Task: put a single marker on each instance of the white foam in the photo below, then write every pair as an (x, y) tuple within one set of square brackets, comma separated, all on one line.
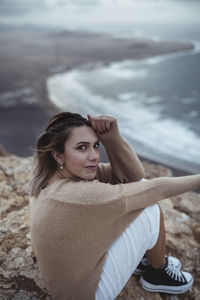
[(163, 57), (16, 97), (117, 70), (139, 123)]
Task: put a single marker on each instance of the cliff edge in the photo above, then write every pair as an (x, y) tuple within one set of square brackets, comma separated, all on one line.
[(19, 273)]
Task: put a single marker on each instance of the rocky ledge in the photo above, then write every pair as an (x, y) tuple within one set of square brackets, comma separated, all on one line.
[(19, 274)]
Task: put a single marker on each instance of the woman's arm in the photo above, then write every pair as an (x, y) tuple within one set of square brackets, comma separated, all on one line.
[(125, 165), (160, 188), (136, 195)]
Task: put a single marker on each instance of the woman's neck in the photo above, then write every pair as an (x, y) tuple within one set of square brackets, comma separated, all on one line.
[(56, 176)]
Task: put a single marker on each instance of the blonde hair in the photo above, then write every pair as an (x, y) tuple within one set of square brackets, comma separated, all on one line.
[(52, 139)]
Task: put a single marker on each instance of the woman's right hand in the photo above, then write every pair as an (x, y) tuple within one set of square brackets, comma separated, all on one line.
[(102, 124)]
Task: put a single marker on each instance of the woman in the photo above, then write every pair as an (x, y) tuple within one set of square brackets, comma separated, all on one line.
[(91, 223)]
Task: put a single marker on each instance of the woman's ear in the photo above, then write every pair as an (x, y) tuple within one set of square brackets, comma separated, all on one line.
[(58, 157)]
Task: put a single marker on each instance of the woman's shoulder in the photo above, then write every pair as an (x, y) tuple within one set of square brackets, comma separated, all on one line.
[(69, 191), (92, 193), (59, 188)]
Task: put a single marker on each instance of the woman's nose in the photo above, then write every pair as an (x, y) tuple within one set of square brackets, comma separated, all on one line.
[(94, 155)]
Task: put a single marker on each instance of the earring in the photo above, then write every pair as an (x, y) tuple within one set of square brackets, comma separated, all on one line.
[(61, 166)]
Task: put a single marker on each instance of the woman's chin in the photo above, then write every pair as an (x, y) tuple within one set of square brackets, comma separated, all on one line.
[(90, 176)]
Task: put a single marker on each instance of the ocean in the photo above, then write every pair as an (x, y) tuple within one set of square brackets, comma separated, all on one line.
[(157, 100)]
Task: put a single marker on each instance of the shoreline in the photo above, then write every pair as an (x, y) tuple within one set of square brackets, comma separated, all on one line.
[(44, 54)]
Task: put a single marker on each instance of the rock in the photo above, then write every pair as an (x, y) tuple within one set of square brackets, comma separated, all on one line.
[(3, 152), (19, 272), (152, 170), (196, 231), (5, 189), (190, 203), (2, 175)]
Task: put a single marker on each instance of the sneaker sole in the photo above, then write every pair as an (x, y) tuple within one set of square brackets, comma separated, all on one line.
[(164, 288)]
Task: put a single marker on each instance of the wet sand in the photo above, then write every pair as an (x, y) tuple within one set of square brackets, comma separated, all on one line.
[(29, 55)]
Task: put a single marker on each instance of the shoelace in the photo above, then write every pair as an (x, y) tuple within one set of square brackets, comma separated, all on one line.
[(174, 273)]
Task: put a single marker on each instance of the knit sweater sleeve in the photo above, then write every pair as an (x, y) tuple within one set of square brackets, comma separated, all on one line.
[(136, 195), (125, 165)]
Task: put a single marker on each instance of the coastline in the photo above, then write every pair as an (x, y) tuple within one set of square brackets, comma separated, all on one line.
[(29, 57)]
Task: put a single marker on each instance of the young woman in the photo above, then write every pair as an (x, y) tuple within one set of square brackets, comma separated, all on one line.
[(92, 223)]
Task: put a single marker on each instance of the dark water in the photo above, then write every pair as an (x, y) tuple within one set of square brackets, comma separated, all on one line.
[(156, 101), (177, 83)]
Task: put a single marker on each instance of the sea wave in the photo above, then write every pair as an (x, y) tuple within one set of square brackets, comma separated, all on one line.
[(165, 140)]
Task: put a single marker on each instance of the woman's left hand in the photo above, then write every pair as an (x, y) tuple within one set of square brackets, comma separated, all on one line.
[(101, 124)]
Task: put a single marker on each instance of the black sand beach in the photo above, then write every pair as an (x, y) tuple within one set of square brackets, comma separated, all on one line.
[(28, 55)]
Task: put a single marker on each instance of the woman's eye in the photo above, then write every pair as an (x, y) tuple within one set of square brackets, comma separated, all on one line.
[(82, 147), (97, 145)]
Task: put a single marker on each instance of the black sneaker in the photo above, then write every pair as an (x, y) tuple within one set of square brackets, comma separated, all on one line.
[(144, 265), (168, 280)]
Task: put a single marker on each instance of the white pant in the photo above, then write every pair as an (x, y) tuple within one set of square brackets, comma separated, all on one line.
[(127, 251)]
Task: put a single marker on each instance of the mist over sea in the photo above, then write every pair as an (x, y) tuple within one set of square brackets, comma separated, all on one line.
[(157, 100)]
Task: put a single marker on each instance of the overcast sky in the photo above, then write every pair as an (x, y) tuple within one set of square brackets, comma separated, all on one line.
[(66, 13)]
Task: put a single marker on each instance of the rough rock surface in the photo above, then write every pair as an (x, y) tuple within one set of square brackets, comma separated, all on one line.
[(19, 274)]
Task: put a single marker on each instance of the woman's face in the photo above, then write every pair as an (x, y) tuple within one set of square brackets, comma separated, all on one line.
[(81, 154)]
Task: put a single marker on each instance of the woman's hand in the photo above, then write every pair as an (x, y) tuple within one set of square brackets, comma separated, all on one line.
[(101, 124)]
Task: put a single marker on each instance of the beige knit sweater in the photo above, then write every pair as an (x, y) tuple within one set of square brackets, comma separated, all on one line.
[(73, 223)]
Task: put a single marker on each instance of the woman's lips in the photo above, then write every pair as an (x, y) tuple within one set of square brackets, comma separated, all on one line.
[(91, 168)]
